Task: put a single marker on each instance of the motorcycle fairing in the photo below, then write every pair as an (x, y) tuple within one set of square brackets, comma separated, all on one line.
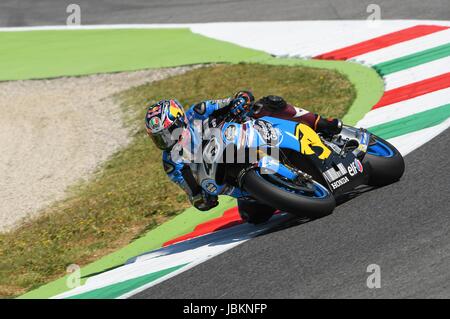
[(271, 132), (343, 174), (274, 132)]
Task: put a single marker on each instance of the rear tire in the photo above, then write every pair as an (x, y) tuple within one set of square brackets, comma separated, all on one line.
[(300, 205), (384, 170), (253, 212)]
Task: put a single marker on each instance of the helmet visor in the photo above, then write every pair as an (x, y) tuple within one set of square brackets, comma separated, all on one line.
[(164, 139), (167, 138)]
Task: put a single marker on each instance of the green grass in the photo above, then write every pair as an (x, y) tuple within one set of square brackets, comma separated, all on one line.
[(130, 194), (318, 90)]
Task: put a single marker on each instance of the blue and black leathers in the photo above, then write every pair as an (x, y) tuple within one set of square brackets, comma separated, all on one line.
[(178, 171)]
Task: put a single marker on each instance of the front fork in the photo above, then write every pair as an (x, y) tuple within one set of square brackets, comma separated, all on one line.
[(269, 165)]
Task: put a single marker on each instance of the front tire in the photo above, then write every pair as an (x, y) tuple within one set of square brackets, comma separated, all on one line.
[(386, 163), (286, 200)]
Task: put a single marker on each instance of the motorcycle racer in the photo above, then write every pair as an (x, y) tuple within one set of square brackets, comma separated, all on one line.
[(166, 116)]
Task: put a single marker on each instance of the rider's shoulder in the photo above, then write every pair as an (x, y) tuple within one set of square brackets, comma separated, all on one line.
[(200, 108), (207, 106)]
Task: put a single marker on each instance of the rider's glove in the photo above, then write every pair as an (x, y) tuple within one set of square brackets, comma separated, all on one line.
[(238, 106), (204, 201), (247, 95)]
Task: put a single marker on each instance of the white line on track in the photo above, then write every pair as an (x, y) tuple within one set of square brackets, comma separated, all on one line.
[(405, 48), (405, 108), (303, 38), (417, 73), (191, 252), (409, 142)]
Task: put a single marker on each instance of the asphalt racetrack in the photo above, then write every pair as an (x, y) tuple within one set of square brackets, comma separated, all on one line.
[(53, 12)]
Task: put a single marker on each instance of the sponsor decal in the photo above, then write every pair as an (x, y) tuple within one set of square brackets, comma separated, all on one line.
[(340, 182), (332, 174), (209, 186), (300, 112), (155, 123), (362, 147), (175, 110), (221, 101), (363, 138), (153, 110), (359, 165), (266, 130), (363, 142), (230, 133), (355, 167), (212, 122)]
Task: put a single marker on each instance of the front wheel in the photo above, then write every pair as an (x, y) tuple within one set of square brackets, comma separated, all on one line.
[(386, 162), (310, 199)]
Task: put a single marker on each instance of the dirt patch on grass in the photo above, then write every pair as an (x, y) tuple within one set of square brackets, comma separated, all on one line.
[(55, 132)]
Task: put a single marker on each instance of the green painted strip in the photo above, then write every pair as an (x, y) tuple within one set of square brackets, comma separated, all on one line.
[(368, 84), (412, 60), (47, 54), (121, 288), (412, 123)]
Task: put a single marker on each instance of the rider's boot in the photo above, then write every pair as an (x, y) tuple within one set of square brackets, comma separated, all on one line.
[(328, 127)]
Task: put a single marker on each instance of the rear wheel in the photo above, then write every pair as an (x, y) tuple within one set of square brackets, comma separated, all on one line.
[(306, 199), (386, 162), (253, 212)]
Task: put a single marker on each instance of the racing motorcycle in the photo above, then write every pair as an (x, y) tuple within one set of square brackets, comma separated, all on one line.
[(289, 167)]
